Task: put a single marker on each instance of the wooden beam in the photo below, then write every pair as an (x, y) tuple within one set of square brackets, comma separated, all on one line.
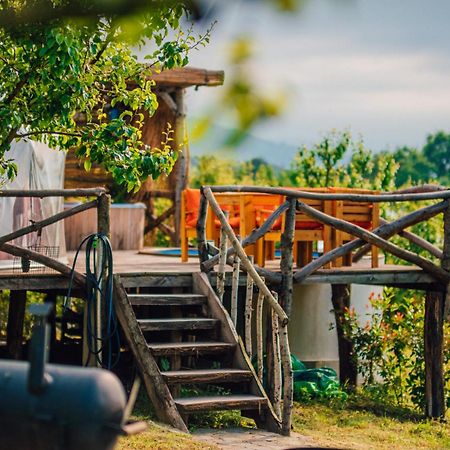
[(188, 76), (374, 239), (159, 220), (15, 250), (252, 237), (14, 328), (244, 259), (348, 371), (41, 193), (286, 264), (371, 198), (434, 372), (201, 230), (154, 383), (385, 231), (388, 230), (35, 226)]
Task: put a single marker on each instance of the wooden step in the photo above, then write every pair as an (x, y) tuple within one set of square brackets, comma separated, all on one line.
[(166, 299), (217, 403), (207, 376), (181, 324), (191, 348)]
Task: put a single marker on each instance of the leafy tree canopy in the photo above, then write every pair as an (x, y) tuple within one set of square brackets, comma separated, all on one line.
[(77, 82), (339, 160)]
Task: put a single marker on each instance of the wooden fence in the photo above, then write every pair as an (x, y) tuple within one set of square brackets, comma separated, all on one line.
[(101, 202), (363, 240)]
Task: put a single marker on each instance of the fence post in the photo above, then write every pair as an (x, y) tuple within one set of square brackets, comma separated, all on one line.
[(286, 264), (437, 306)]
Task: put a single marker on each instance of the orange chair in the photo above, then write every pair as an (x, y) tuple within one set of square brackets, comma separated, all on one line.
[(232, 204), (308, 230), (363, 214), (190, 204), (256, 209)]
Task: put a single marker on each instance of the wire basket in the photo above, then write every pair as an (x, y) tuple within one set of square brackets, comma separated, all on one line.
[(25, 265)]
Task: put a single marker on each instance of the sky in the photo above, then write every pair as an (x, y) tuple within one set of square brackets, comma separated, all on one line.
[(380, 68)]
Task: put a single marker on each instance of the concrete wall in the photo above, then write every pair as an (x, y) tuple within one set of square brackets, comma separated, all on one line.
[(310, 337)]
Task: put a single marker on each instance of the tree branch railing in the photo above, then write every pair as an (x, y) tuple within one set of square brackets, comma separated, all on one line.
[(101, 203), (257, 277), (277, 342)]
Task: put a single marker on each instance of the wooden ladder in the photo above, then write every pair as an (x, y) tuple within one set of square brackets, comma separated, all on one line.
[(184, 342)]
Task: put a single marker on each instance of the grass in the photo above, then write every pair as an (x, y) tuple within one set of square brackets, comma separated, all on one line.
[(357, 423), (361, 423), (157, 437)]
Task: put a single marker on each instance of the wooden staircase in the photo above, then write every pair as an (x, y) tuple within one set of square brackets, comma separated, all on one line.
[(184, 342)]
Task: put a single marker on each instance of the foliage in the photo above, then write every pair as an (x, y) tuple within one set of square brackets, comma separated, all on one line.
[(431, 162), (77, 83), (212, 170), (325, 165), (389, 347)]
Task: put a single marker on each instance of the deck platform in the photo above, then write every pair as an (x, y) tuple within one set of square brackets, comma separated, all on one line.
[(131, 264)]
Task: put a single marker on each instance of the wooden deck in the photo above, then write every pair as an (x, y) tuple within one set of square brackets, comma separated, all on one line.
[(130, 263)]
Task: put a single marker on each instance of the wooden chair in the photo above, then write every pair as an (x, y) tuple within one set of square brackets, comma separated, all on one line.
[(363, 214), (190, 203), (231, 203), (308, 230), (256, 209)]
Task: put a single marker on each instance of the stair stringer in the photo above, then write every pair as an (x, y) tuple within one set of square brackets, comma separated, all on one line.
[(155, 385), (201, 285)]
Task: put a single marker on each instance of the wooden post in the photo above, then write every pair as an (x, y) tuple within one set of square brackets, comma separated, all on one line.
[(201, 231), (183, 160), (288, 380), (222, 264), (433, 336), (96, 314), (276, 362), (248, 313), (348, 370), (14, 329), (286, 264), (235, 289), (259, 335)]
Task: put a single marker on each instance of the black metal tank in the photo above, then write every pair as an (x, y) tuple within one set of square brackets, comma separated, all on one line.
[(55, 407)]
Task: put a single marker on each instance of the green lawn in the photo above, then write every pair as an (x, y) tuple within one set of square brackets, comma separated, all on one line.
[(362, 424), (358, 423)]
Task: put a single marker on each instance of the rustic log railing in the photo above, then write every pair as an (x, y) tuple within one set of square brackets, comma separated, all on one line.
[(102, 203), (363, 240), (277, 353)]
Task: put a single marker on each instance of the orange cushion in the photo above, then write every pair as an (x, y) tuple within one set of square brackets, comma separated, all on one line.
[(308, 225), (260, 219), (365, 225), (234, 222)]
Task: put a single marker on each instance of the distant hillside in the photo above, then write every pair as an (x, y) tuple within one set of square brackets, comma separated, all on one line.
[(278, 154)]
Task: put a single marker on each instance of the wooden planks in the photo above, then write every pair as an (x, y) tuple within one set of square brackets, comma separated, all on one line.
[(230, 375), (215, 403), (191, 348), (166, 299), (178, 324)]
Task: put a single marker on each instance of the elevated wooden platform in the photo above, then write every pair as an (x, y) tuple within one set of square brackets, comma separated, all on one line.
[(131, 265)]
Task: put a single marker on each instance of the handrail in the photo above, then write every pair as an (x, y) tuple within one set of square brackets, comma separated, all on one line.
[(375, 198), (279, 333), (41, 193), (102, 203)]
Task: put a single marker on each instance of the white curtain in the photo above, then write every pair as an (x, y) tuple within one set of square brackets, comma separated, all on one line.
[(39, 167)]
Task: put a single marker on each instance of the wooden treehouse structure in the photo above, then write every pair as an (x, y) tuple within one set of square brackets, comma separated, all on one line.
[(170, 91), (201, 323)]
